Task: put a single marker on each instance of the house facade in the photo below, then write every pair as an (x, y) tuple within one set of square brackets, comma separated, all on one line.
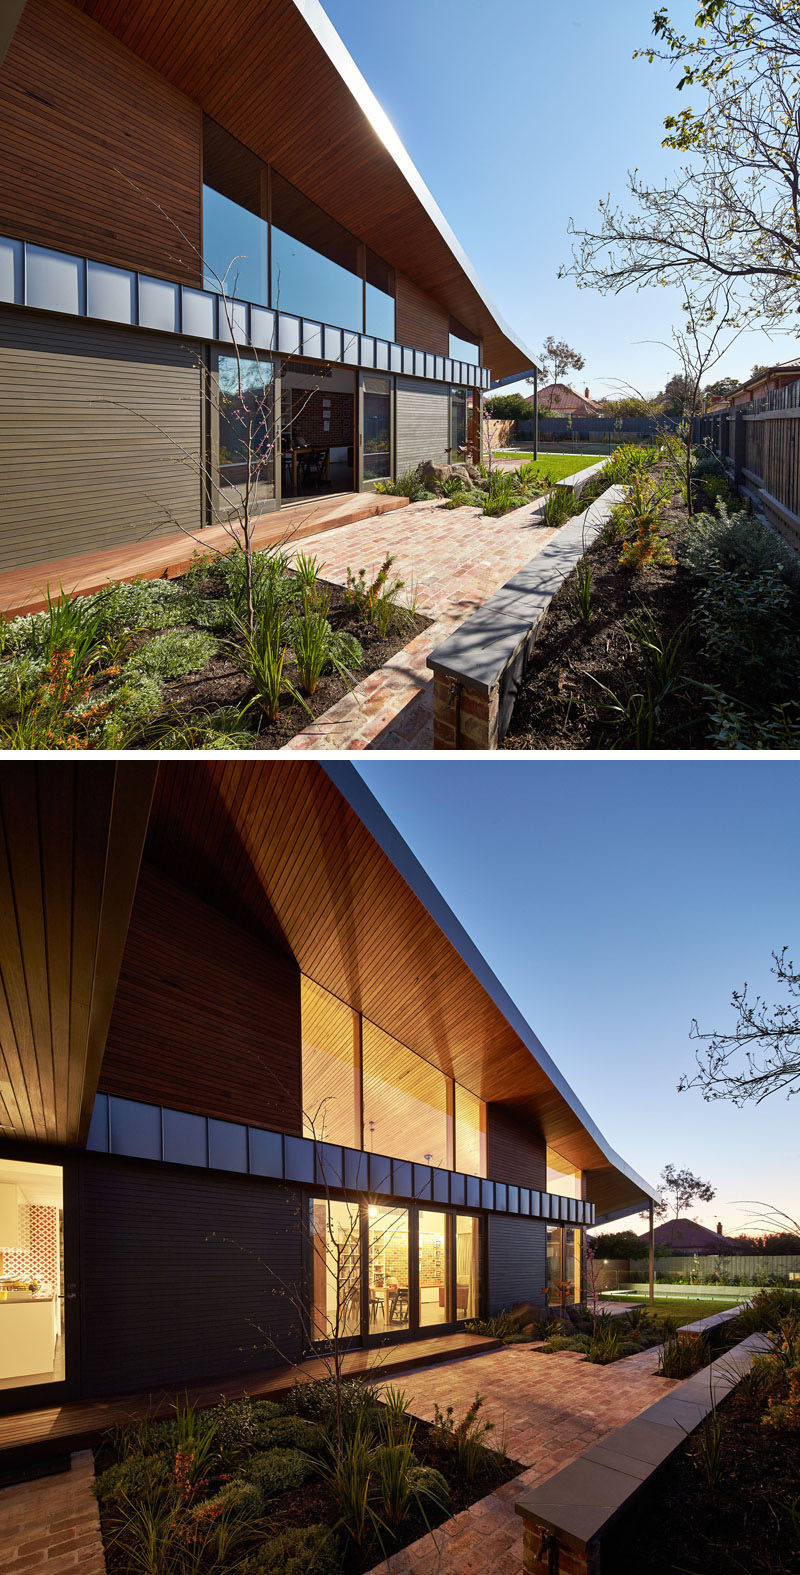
[(238, 1021), (193, 198)]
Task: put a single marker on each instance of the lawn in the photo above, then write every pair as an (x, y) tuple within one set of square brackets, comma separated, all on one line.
[(553, 467), (685, 1307)]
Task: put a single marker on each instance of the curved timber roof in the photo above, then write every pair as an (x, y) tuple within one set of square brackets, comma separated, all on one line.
[(276, 74)]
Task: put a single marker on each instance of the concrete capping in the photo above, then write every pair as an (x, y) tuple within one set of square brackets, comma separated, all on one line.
[(580, 478), (703, 1326), (479, 668), (572, 1511)]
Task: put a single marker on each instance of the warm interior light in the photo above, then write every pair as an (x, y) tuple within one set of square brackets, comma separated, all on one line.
[(372, 1210)]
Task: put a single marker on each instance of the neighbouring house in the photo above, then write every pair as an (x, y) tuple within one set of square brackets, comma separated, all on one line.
[(563, 401), (763, 382), (684, 1235), (150, 152), (234, 1008)]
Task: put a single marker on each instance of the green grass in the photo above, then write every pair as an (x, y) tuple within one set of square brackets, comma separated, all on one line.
[(685, 1307), (556, 466)]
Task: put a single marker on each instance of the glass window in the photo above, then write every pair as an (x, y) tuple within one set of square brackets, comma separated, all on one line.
[(331, 1073), (434, 1276), (463, 348), (335, 1238), (562, 1177), (387, 1269), (246, 419), (377, 417), (563, 1264), (234, 249), (315, 262), (555, 1272), (380, 295), (467, 1265), (572, 1261), (31, 1274), (458, 424), (470, 1133), (405, 1102)]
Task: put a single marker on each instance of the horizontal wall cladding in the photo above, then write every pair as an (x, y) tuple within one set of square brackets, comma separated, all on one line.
[(82, 462), (422, 424), (180, 1273), (206, 1015), (516, 1250), (419, 321), (93, 140), (515, 1152)]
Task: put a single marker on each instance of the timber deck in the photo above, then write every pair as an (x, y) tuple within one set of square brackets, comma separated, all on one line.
[(79, 1424), (166, 557)]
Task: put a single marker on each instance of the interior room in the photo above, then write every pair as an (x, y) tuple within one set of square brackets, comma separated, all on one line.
[(31, 1273), (317, 430)]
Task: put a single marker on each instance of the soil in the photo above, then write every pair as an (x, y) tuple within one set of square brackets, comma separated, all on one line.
[(562, 704), (744, 1525)]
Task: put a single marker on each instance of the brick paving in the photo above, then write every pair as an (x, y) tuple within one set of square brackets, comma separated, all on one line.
[(549, 1410), (52, 1524), (454, 560)]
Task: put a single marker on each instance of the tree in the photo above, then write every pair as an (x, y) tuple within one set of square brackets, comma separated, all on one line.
[(732, 214), (617, 1244), (630, 405), (673, 399), (761, 1053), (509, 407), (558, 358), (683, 1188), (722, 388)]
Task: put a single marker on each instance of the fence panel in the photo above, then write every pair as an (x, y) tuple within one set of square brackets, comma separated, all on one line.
[(762, 439), (738, 1268)]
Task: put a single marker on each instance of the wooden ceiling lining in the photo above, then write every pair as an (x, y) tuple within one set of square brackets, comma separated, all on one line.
[(70, 843), (255, 70)]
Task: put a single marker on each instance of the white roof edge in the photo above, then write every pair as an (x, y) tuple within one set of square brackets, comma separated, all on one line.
[(340, 57), (354, 789)]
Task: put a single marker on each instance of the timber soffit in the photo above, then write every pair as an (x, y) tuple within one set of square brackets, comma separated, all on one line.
[(377, 822), (342, 155)]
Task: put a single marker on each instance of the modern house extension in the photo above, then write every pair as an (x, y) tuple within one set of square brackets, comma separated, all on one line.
[(189, 183), (235, 1016)]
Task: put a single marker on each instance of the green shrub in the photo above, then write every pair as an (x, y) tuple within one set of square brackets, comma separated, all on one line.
[(141, 605), (138, 1478), (566, 1342), (358, 1404), (626, 462), (238, 1495), (408, 485), (303, 1550), (428, 1484), (279, 1470), (739, 540), (468, 1437), (174, 653), (558, 507), (290, 1432), (680, 1356), (240, 1422)]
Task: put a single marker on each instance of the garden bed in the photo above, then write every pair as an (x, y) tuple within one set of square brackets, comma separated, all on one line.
[(172, 664), (255, 1489), (693, 647)]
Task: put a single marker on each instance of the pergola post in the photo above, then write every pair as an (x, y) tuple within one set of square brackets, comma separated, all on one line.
[(535, 413), (651, 1265)]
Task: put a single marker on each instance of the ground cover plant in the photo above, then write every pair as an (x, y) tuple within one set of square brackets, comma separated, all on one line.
[(686, 1308), (318, 1485), (727, 1502), (688, 635), (181, 663), (494, 489)]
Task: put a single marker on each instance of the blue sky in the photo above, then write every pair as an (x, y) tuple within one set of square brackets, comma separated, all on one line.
[(519, 116), (616, 901)]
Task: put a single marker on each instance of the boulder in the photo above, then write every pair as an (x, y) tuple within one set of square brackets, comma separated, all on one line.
[(432, 475)]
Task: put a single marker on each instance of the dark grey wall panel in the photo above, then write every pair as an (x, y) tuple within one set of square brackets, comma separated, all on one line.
[(516, 1152), (422, 423), (79, 467), (516, 1261), (174, 1283)]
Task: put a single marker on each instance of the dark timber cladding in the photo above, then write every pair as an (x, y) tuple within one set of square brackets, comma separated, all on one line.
[(83, 461), (419, 321), (93, 140), (516, 1152), (207, 1015), (517, 1266), (178, 1275), (422, 423)]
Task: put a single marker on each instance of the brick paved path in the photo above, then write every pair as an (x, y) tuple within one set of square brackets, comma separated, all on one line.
[(52, 1524), (455, 559), (549, 1409)]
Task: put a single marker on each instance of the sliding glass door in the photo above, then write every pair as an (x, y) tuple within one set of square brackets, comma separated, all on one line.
[(376, 428), (38, 1343)]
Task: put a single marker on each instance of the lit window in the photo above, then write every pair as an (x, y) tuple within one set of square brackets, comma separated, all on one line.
[(470, 1133), (405, 1102), (331, 1093)]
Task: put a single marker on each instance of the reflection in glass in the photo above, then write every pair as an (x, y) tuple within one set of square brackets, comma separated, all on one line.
[(387, 1283), (463, 350), (572, 1261), (555, 1246), (377, 417), (31, 1274), (380, 289), (246, 417), (331, 1076), (315, 262), (470, 1133), (563, 1264), (467, 1265), (235, 249), (405, 1102), (458, 423), (562, 1177), (335, 1269), (434, 1278)]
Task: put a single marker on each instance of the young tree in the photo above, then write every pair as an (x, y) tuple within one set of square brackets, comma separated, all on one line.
[(508, 407), (732, 214), (760, 1055), (721, 388), (558, 358), (683, 1188)]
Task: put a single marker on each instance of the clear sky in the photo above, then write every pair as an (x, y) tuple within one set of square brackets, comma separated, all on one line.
[(616, 901), (519, 116)]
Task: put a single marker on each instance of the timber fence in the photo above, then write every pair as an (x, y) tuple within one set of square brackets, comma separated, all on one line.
[(760, 444)]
